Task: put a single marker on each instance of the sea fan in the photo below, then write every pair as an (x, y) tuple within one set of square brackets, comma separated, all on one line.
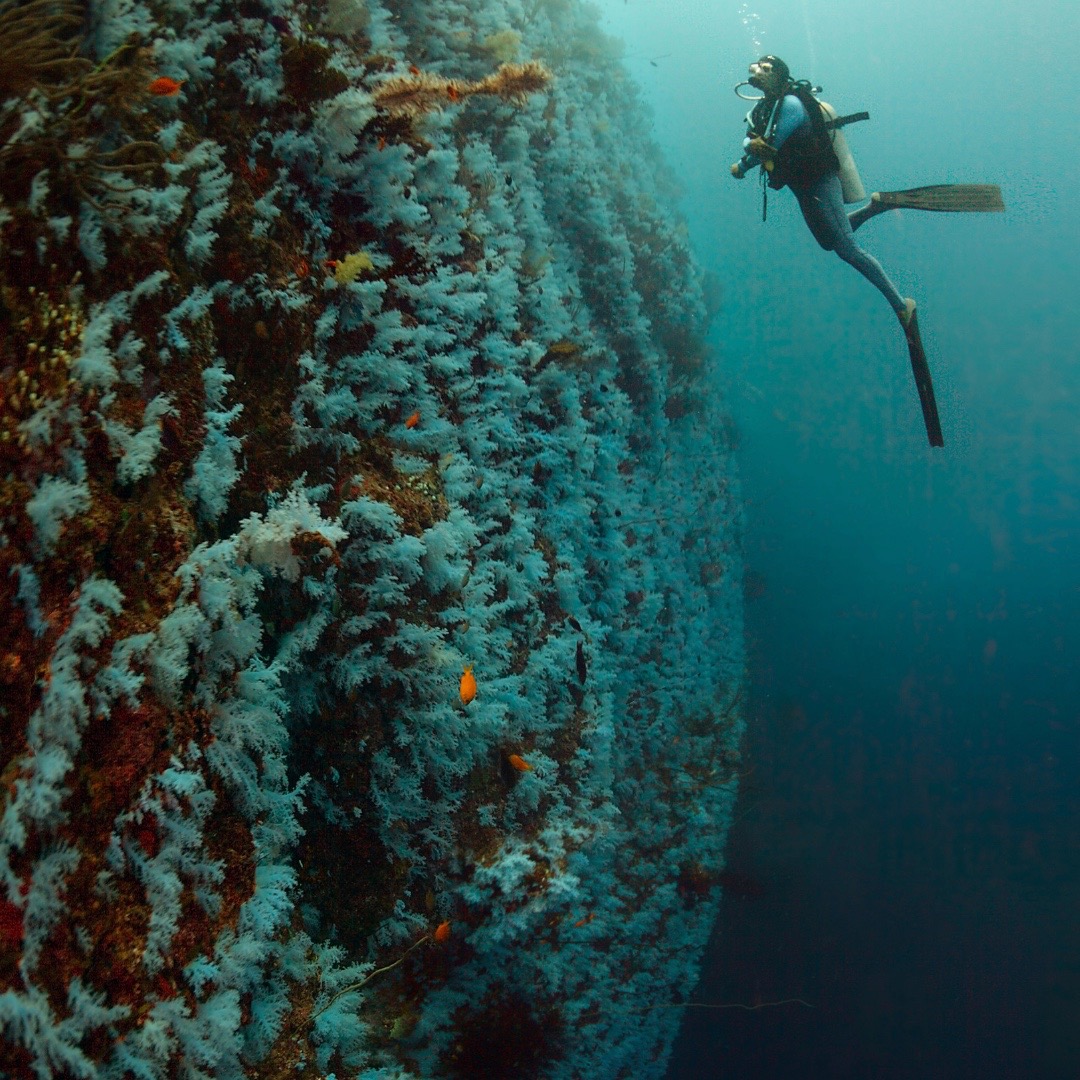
[(514, 82), (413, 95)]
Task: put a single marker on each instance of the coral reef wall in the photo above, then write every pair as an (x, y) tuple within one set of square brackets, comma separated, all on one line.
[(372, 647)]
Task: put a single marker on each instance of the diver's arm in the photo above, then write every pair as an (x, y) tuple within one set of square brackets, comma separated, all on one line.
[(749, 160), (793, 115), (743, 166)]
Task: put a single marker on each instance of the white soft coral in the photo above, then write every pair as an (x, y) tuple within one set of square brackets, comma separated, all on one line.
[(268, 541)]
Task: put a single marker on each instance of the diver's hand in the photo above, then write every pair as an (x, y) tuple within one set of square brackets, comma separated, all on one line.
[(737, 171), (761, 149)]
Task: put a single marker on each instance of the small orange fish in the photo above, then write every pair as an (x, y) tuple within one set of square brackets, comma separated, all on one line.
[(467, 689), (165, 87), (519, 763), (413, 420), (452, 92), (382, 142), (413, 69), (442, 933)]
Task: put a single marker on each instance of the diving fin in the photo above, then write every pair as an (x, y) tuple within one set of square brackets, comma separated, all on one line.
[(943, 198), (923, 383)]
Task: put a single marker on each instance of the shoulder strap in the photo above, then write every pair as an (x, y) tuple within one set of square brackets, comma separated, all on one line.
[(764, 116), (843, 121), (803, 92)]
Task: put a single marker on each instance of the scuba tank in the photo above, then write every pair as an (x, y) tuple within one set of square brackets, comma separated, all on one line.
[(849, 174)]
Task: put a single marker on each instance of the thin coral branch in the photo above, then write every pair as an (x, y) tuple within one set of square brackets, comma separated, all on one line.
[(370, 975), (709, 1005), (39, 43)]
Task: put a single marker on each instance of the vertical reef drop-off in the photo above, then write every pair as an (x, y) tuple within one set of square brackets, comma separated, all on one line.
[(346, 347)]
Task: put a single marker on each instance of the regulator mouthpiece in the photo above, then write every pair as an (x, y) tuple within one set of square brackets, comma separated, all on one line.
[(747, 97)]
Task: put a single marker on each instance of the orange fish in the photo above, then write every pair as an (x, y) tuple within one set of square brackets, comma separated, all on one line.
[(519, 763), (165, 87), (442, 932), (413, 420), (452, 92), (413, 69), (467, 689)]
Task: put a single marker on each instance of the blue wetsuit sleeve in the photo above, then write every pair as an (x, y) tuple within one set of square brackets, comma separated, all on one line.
[(793, 115)]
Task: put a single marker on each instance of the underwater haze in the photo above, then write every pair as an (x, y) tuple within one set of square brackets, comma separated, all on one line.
[(906, 856)]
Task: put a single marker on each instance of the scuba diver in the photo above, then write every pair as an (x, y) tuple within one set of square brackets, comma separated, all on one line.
[(797, 141), (788, 137)]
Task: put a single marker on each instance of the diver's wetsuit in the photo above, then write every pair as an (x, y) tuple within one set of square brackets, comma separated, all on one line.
[(822, 205)]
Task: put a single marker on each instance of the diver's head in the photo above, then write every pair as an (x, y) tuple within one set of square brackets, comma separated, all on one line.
[(770, 75)]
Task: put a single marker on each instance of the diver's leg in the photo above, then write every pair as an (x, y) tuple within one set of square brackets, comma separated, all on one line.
[(829, 206), (865, 213), (817, 221)]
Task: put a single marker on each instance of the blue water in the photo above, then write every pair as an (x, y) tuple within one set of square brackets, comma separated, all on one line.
[(907, 856)]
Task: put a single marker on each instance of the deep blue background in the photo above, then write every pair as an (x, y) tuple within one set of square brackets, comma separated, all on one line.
[(907, 854)]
